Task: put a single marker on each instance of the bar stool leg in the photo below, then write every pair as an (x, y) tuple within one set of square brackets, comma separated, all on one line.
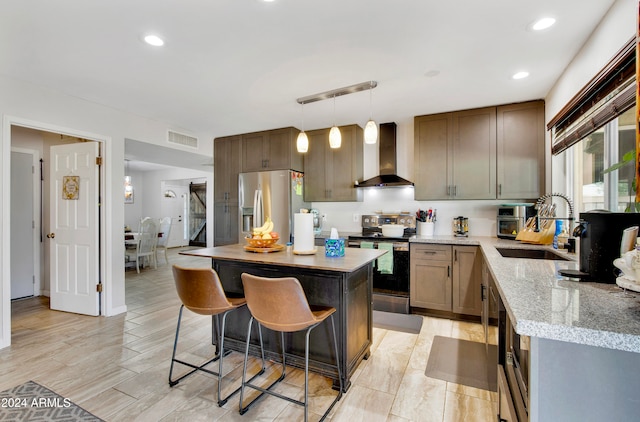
[(173, 382)]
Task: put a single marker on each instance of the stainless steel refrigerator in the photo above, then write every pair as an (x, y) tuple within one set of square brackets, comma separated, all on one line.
[(276, 194)]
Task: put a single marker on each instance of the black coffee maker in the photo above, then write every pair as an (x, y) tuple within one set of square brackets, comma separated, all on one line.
[(600, 234)]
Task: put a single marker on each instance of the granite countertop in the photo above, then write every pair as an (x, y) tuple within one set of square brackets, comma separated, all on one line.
[(353, 258), (547, 305)]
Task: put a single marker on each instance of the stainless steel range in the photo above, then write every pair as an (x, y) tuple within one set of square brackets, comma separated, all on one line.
[(391, 275)]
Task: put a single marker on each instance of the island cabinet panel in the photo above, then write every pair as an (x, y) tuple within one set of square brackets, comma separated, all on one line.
[(330, 173), (446, 278), (271, 150), (349, 292), (520, 150)]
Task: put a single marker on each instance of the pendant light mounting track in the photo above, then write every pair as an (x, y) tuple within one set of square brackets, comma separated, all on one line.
[(337, 92)]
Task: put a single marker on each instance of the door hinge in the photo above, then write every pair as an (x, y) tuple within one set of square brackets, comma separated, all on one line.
[(98, 161), (99, 287)]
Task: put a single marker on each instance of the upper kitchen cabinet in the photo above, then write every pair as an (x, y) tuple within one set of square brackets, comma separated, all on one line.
[(271, 150), (455, 155), (520, 159), (485, 153), (226, 167), (330, 173)]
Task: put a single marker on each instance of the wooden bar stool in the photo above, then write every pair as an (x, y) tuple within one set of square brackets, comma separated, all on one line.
[(201, 292), (280, 304)]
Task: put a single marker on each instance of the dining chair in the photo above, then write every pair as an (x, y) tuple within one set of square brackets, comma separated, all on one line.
[(145, 245), (280, 304), (163, 236), (201, 291)]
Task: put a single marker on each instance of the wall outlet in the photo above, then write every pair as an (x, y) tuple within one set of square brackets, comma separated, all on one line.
[(356, 218), (324, 218)]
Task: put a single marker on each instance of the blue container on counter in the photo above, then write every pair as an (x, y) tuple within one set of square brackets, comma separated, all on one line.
[(334, 247)]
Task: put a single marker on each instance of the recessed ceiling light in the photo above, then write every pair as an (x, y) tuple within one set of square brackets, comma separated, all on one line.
[(154, 40), (520, 75), (543, 23)]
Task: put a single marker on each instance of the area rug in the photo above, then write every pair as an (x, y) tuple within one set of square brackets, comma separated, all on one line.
[(397, 322), (463, 362), (32, 402)]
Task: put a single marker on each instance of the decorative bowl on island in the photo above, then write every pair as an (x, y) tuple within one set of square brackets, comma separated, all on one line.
[(261, 243)]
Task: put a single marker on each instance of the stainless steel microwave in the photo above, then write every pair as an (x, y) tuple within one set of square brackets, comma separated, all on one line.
[(512, 218)]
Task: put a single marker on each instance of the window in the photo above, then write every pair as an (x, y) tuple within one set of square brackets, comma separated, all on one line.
[(589, 186)]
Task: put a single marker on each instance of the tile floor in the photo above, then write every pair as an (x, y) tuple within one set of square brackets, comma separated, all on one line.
[(117, 367)]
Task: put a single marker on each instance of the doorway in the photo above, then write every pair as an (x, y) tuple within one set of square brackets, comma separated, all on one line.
[(25, 224), (30, 218)]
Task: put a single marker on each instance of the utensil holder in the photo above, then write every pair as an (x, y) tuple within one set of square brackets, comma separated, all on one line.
[(425, 228)]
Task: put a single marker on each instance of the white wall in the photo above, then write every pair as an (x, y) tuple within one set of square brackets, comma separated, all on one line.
[(32, 106), (148, 193)]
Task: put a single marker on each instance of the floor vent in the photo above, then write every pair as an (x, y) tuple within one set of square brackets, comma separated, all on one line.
[(182, 139)]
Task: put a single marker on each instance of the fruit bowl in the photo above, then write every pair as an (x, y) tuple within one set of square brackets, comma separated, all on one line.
[(261, 243)]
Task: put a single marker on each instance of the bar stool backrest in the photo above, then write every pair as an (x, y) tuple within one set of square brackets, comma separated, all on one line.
[(200, 290), (278, 303)]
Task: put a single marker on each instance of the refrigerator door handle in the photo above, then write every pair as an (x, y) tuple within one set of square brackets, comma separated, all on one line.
[(257, 208)]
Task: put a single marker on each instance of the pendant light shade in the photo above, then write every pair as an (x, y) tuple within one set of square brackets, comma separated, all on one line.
[(302, 143), (371, 129), (370, 132), (335, 137)]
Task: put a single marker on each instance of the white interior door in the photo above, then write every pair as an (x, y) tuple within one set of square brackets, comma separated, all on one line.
[(23, 262), (73, 225), (176, 209)]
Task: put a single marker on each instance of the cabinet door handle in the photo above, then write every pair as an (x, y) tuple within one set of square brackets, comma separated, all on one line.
[(483, 295), (455, 255), (499, 188), (448, 271), (455, 190), (429, 252), (448, 190)]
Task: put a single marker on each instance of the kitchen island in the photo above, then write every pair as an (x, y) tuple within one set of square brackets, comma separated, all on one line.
[(584, 351), (344, 283)]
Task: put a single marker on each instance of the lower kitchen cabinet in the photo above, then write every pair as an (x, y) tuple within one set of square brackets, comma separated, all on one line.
[(446, 278), (225, 223), (467, 280)]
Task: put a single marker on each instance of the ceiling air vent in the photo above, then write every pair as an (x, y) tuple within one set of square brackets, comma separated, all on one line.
[(182, 139)]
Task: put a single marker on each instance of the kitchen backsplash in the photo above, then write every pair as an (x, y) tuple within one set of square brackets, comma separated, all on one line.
[(481, 214)]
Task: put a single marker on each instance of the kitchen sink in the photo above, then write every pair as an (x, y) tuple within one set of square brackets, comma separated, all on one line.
[(531, 254)]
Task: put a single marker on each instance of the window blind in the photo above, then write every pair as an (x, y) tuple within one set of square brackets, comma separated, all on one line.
[(610, 93)]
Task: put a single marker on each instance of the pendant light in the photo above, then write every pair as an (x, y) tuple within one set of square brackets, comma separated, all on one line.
[(370, 129), (335, 137), (128, 187), (302, 143)]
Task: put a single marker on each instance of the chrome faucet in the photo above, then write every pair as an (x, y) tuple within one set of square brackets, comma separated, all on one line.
[(541, 201)]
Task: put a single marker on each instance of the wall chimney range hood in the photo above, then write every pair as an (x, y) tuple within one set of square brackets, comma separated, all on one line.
[(387, 158)]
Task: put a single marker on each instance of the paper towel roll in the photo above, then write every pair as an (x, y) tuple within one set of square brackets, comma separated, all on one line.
[(303, 239)]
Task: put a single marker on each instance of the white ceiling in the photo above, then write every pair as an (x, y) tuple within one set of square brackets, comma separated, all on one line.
[(236, 66)]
